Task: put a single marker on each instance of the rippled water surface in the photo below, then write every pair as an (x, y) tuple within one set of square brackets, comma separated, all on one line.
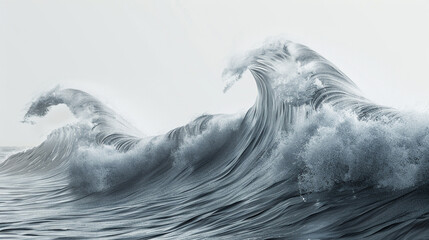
[(45, 206)]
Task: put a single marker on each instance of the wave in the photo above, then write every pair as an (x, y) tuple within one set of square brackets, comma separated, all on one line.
[(310, 126), (109, 127)]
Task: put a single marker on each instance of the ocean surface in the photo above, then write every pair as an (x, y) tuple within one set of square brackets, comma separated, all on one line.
[(312, 159)]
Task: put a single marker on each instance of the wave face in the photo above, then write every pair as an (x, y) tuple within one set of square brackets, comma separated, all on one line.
[(312, 159)]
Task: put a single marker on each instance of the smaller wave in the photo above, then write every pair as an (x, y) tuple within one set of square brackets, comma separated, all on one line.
[(98, 125), (109, 127), (5, 152), (51, 154)]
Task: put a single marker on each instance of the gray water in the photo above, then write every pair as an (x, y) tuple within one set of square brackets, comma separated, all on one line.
[(312, 159), (45, 207)]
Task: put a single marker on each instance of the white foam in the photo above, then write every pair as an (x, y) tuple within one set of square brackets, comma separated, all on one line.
[(334, 148)]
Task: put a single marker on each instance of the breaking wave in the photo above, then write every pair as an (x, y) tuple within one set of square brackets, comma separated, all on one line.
[(310, 131)]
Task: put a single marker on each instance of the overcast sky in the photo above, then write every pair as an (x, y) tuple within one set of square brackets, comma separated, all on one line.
[(159, 63)]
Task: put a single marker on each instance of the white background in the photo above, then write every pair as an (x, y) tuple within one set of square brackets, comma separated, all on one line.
[(159, 63)]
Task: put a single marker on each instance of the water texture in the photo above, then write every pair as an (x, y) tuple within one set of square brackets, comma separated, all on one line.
[(311, 159)]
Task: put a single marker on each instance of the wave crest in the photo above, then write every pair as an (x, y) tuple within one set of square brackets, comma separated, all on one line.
[(109, 127), (299, 76)]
